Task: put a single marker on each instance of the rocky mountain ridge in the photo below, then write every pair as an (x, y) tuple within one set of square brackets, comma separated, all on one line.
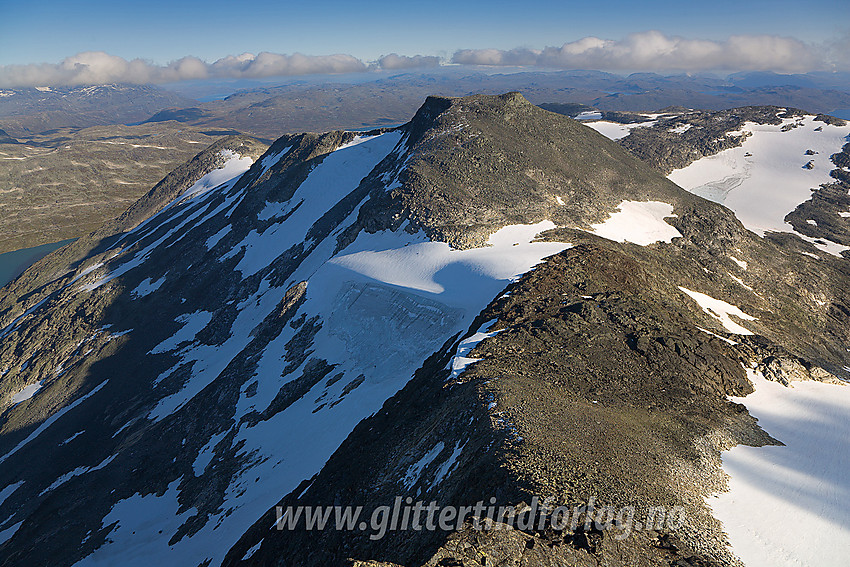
[(285, 323)]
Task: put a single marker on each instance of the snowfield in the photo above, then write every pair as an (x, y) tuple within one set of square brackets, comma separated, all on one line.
[(26, 393), (721, 311), (460, 361), (764, 179), (787, 506), (615, 130), (639, 222), (385, 302)]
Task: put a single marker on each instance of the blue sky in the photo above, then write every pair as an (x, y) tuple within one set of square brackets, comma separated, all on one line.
[(160, 32), (47, 31)]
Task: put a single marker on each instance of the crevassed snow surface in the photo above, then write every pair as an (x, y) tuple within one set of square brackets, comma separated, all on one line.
[(787, 506), (638, 222), (385, 303), (721, 311), (764, 186)]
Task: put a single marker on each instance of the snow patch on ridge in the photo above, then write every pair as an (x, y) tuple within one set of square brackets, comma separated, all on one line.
[(446, 468), (47, 423), (639, 222), (233, 167), (9, 490), (742, 264), (615, 130), (147, 286), (193, 323), (26, 393), (77, 472), (827, 246), (460, 361), (721, 311), (415, 470), (206, 453)]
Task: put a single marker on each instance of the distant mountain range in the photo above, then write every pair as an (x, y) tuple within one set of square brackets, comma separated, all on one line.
[(24, 112), (267, 111), (45, 131), (319, 106)]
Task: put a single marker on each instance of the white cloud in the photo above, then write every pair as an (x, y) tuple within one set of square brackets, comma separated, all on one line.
[(97, 67), (653, 50), (838, 52), (649, 51), (394, 61), (274, 64)]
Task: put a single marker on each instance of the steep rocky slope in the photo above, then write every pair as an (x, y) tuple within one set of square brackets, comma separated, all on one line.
[(254, 317)]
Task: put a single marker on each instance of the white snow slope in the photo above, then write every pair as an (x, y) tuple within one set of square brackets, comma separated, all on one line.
[(387, 301), (764, 179), (615, 130), (639, 222), (787, 506)]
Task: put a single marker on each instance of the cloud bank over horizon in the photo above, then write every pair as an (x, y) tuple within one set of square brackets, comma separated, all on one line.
[(646, 51), (653, 50)]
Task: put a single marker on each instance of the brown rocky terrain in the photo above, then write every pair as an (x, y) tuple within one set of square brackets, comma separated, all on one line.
[(68, 182)]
